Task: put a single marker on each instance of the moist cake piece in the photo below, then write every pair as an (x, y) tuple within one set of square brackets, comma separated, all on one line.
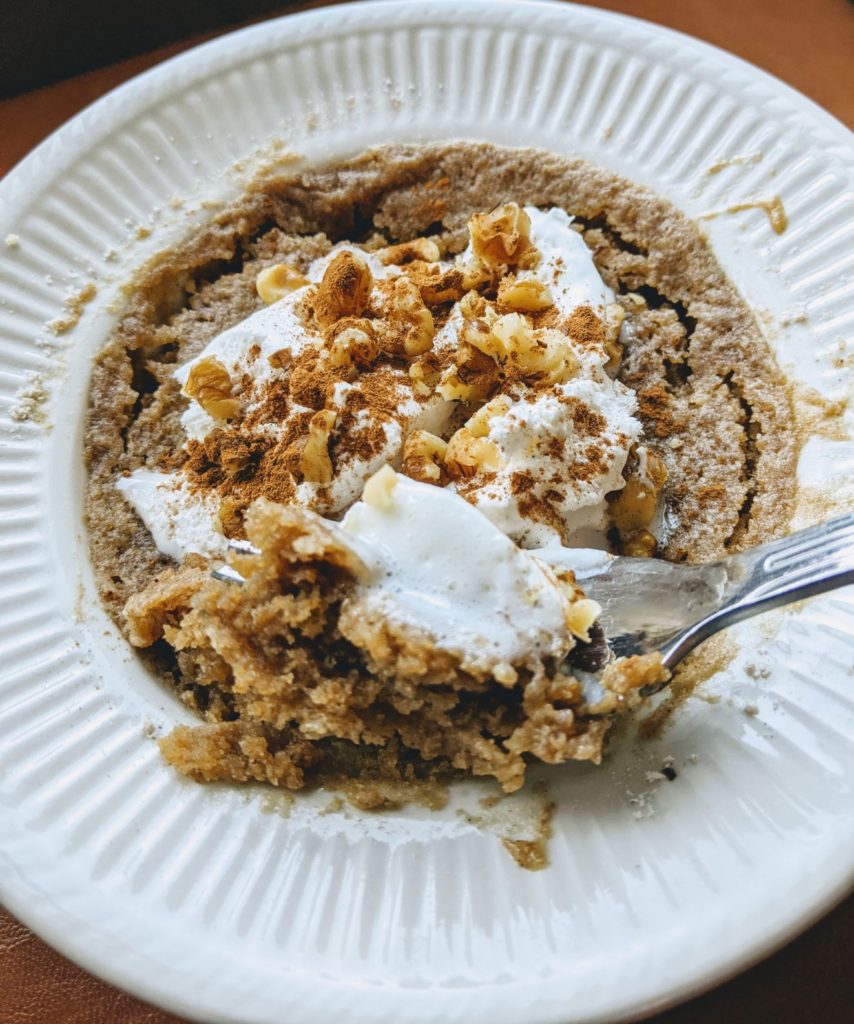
[(453, 649)]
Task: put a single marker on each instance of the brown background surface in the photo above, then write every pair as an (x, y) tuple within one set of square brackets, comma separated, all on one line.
[(810, 45)]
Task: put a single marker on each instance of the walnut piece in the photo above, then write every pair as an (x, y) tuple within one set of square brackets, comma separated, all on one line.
[(472, 305), (467, 454), (411, 325), (580, 616), (634, 507), (424, 249), (440, 288), (478, 424), (315, 463), (210, 385), (353, 343), (502, 236), (473, 377), (424, 457), (521, 350), (344, 289), (274, 283), (640, 544), (424, 377), (527, 294), (379, 488), (614, 316)]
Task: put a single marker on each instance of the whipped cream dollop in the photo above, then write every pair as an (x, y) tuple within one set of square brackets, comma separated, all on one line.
[(439, 567), (180, 521), (249, 348), (559, 449)]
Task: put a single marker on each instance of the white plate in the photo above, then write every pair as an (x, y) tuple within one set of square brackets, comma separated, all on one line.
[(202, 900)]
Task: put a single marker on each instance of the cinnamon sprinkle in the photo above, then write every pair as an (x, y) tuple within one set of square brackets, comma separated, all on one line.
[(584, 327)]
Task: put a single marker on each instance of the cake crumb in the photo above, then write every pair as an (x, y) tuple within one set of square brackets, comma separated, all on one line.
[(75, 304), (13, 241), (29, 399), (642, 803), (533, 854)]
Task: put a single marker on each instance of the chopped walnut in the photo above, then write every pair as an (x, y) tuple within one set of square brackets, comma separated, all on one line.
[(477, 332), (344, 289), (553, 360), (353, 343), (521, 350), (472, 305), (424, 457), (505, 674), (472, 378), (527, 295), (411, 321), (502, 236), (510, 335), (467, 454), (235, 458), (478, 424), (276, 282), (379, 489), (580, 616), (424, 377), (614, 316), (444, 287), (315, 463), (475, 274), (424, 249), (210, 385), (634, 507), (640, 544), (281, 359)]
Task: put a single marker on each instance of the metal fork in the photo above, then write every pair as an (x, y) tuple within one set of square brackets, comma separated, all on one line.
[(652, 605)]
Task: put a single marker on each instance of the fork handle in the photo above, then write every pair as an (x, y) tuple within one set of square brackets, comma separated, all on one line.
[(805, 564)]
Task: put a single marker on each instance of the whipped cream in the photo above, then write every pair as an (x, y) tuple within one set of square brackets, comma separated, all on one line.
[(560, 456), (180, 522), (246, 348), (440, 567), (272, 329), (566, 264), (541, 440), (538, 437)]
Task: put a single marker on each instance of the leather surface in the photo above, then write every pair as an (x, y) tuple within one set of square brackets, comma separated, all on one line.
[(38, 986), (811, 981)]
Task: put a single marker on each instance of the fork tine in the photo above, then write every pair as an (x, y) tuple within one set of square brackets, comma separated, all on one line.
[(243, 547), (225, 574)]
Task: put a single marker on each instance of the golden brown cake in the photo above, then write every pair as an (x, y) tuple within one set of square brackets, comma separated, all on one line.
[(424, 323)]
